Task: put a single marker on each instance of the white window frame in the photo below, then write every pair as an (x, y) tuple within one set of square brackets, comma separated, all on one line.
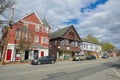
[(56, 42), (76, 44), (72, 44), (67, 42), (24, 37), (26, 25), (62, 42), (36, 39), (46, 29), (91, 46), (17, 34), (45, 40), (37, 28)]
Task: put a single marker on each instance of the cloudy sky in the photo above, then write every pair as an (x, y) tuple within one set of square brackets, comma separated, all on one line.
[(101, 18)]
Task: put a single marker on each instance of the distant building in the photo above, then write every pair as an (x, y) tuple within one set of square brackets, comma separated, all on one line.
[(91, 48), (30, 32), (64, 43)]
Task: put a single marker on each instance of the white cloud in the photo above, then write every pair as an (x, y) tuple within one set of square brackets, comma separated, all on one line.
[(106, 19), (102, 22)]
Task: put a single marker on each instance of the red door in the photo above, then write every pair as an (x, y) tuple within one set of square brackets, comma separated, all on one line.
[(9, 53), (42, 53)]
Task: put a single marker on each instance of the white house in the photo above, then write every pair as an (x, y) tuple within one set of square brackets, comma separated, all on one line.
[(94, 49)]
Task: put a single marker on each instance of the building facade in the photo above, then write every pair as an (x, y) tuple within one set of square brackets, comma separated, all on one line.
[(89, 48), (64, 43), (29, 33)]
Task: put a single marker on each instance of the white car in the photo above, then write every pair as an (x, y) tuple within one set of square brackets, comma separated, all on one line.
[(79, 58)]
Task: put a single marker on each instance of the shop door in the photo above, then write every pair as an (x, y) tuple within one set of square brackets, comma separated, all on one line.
[(26, 55), (9, 53), (42, 53)]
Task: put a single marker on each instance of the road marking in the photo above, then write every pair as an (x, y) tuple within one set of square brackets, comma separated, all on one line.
[(118, 74)]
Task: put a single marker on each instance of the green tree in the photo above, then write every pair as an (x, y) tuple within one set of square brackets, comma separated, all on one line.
[(107, 46), (91, 38), (25, 44)]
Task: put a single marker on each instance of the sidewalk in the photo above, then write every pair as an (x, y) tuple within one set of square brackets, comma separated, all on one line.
[(15, 63)]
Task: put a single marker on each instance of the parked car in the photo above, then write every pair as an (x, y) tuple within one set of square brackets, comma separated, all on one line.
[(90, 57), (79, 58), (105, 56), (43, 60)]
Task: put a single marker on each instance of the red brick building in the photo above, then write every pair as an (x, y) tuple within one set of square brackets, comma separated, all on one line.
[(31, 32)]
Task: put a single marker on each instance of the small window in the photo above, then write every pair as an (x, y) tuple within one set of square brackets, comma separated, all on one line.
[(46, 29), (36, 39), (91, 47), (56, 42), (37, 28), (26, 25), (50, 46), (45, 40), (72, 43), (67, 42), (24, 36), (84, 45), (62, 42), (18, 35), (76, 44)]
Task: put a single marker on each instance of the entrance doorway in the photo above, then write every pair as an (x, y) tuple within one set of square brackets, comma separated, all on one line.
[(42, 53), (26, 55), (9, 53), (73, 54)]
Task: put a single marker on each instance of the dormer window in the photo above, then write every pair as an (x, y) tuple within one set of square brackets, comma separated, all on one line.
[(37, 28)]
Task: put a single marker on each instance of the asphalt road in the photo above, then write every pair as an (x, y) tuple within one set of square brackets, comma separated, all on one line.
[(102, 69)]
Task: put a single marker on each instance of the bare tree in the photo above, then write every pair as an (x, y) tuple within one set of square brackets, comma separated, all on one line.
[(24, 44), (4, 4)]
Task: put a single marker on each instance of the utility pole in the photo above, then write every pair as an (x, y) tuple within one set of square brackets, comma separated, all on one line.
[(7, 35)]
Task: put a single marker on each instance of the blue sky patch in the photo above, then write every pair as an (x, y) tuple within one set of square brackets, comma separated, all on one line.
[(93, 5), (71, 21)]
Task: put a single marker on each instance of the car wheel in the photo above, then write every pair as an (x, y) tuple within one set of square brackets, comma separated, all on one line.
[(39, 62), (52, 62)]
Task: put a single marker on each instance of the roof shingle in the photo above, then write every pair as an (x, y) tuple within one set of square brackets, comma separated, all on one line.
[(60, 32)]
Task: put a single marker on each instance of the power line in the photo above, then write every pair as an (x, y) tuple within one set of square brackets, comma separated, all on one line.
[(20, 11), (4, 16)]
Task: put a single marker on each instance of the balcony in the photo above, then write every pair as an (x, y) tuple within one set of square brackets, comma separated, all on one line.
[(69, 48)]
